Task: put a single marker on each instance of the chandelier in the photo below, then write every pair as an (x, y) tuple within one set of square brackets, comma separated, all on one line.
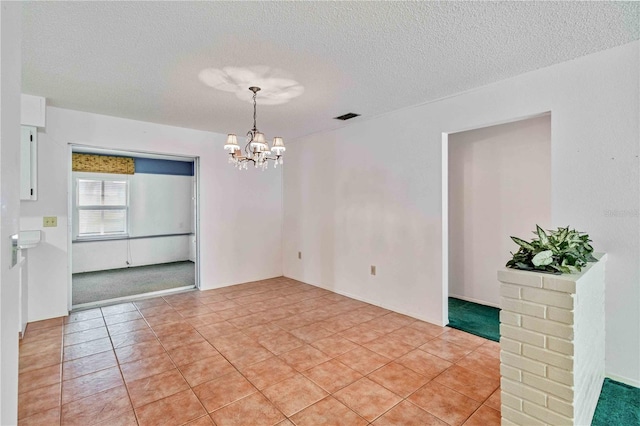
[(257, 149)]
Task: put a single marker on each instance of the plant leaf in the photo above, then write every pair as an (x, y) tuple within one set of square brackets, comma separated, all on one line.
[(523, 243), (560, 268), (543, 258), (544, 240), (524, 266), (562, 234)]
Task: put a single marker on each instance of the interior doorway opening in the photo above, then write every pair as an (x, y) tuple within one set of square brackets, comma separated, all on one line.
[(496, 184), (134, 225)]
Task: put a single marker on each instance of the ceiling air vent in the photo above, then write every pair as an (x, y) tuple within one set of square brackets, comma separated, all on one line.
[(347, 116)]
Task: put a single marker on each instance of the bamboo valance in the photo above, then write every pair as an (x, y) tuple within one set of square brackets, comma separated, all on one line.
[(102, 164)]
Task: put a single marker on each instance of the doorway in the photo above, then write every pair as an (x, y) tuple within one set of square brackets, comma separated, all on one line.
[(497, 185), (134, 225)]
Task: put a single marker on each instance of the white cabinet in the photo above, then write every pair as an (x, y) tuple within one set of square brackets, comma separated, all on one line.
[(28, 163), (32, 110)]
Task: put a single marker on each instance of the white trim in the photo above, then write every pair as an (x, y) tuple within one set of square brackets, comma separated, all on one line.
[(445, 228), (625, 380), (70, 210), (85, 149), (501, 122), (470, 299), (117, 300), (196, 225)]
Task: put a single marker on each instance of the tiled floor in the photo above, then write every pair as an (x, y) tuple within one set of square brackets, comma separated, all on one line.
[(273, 352)]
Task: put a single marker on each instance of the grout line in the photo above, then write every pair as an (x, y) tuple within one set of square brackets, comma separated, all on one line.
[(247, 298), (124, 382), (61, 370)]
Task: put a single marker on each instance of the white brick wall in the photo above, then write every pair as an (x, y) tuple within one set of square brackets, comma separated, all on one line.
[(552, 346)]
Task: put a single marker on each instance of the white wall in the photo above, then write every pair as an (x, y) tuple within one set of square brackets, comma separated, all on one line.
[(370, 193), (228, 200), (158, 205), (499, 185), (10, 69), (102, 255)]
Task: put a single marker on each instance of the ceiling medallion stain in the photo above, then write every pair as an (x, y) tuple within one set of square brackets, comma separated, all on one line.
[(276, 88)]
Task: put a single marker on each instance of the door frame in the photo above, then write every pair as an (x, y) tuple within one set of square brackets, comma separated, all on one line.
[(445, 198), (70, 210)]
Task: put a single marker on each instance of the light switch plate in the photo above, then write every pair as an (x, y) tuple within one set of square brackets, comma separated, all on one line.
[(50, 221)]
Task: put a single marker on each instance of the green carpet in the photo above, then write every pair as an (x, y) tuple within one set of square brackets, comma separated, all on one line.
[(619, 404), (481, 320), (104, 285)]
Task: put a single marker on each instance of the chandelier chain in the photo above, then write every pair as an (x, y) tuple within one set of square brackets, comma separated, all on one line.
[(254, 111)]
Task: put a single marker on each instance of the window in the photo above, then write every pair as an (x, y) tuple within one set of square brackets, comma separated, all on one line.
[(102, 207)]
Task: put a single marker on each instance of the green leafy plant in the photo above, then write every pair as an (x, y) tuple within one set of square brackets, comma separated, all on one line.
[(562, 251)]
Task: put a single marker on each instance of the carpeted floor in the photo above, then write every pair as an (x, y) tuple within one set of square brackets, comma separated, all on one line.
[(619, 404), (104, 285), (481, 320)]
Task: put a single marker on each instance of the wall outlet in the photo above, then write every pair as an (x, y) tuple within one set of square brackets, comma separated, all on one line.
[(50, 221), (299, 255), (373, 269)]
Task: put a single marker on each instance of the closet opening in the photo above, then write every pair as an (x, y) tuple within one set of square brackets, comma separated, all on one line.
[(134, 225), (496, 184)]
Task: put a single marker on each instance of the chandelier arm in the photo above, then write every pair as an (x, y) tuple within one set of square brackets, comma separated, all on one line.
[(250, 139), (246, 160)]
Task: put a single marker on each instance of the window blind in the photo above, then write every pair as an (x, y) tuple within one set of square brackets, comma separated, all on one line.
[(102, 207)]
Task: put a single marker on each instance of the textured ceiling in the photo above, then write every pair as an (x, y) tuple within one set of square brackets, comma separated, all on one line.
[(141, 60)]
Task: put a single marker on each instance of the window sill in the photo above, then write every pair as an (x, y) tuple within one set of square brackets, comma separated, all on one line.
[(100, 238), (125, 237)]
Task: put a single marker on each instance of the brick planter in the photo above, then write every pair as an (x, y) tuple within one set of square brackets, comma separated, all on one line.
[(552, 345)]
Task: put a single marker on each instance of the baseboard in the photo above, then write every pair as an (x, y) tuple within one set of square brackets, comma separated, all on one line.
[(131, 298), (133, 265), (371, 302), (625, 380), (229, 284), (47, 316), (470, 299)]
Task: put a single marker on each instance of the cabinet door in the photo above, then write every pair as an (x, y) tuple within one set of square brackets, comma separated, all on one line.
[(32, 110), (28, 162)]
